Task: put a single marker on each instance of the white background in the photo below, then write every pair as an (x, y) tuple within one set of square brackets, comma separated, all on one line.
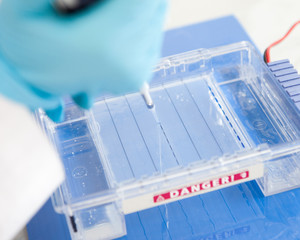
[(265, 21)]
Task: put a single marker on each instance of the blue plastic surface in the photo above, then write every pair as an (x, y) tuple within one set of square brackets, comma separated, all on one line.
[(238, 212), (48, 225)]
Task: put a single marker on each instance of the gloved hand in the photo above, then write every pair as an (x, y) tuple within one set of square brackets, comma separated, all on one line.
[(108, 48)]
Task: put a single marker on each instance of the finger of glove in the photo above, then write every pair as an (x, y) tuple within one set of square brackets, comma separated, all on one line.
[(56, 114), (145, 55), (83, 100)]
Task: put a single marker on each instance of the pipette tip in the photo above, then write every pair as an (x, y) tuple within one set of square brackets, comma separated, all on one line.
[(146, 95)]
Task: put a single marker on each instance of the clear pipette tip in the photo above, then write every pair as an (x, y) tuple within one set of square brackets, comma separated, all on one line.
[(146, 95)]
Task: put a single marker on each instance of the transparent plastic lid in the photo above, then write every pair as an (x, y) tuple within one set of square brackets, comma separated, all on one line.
[(219, 118)]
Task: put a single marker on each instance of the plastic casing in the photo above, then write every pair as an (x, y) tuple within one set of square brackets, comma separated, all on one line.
[(218, 112)]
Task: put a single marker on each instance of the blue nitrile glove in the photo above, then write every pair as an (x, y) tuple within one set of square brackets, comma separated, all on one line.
[(110, 47)]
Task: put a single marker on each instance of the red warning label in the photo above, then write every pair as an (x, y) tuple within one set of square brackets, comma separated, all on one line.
[(207, 185)]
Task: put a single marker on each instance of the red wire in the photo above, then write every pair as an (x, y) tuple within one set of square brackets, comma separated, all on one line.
[(267, 52)]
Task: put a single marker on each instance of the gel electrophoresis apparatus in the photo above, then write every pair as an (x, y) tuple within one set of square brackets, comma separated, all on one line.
[(218, 117)]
